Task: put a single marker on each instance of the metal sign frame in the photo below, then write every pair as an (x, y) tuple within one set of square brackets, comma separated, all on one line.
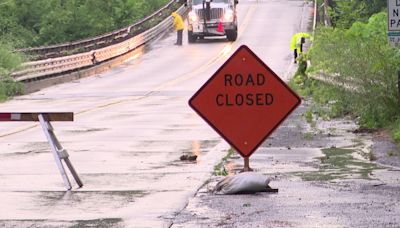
[(59, 153)]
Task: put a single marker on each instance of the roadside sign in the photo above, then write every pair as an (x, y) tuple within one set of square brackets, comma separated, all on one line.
[(244, 101), (393, 15), (394, 38), (394, 22)]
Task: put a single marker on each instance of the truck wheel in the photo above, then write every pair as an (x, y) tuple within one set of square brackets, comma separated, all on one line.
[(231, 35), (191, 38)]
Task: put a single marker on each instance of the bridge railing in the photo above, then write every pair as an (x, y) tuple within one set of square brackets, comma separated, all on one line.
[(35, 70), (92, 43)]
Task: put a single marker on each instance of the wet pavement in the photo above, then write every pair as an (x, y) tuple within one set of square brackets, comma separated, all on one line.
[(324, 175), (132, 125), (129, 178)]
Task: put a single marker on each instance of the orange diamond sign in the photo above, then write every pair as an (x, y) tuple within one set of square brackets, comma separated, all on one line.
[(244, 101)]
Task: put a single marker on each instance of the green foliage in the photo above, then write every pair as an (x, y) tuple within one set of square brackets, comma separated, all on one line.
[(9, 88), (42, 22), (219, 169), (9, 61), (364, 67), (308, 136), (300, 82), (395, 129), (339, 163), (27, 23), (309, 116), (302, 67), (11, 31), (345, 12)]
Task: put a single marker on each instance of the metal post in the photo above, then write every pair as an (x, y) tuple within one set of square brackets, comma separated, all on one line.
[(246, 167), (73, 172), (63, 154), (59, 153), (47, 128)]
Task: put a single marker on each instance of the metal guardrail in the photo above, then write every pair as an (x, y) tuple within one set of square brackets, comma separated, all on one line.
[(43, 68), (92, 43), (334, 79)]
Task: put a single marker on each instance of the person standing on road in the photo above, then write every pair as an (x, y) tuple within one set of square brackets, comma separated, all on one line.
[(297, 42), (179, 26)]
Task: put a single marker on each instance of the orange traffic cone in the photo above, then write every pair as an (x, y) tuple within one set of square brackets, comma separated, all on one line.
[(220, 27)]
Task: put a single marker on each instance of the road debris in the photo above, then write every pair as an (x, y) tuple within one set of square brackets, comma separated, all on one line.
[(187, 157)]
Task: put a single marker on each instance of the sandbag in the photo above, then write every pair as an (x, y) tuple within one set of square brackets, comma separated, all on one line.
[(242, 183)]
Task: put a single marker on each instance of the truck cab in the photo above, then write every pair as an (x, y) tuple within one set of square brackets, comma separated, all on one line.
[(212, 18)]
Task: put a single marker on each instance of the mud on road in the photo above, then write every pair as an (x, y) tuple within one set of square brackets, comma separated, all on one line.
[(327, 175)]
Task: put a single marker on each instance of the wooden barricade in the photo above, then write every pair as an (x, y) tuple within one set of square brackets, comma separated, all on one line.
[(59, 153)]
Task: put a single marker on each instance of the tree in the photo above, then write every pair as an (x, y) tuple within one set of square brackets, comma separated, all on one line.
[(11, 31), (346, 12), (29, 23), (9, 61)]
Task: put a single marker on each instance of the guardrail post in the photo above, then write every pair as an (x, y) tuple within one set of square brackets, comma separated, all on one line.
[(94, 60)]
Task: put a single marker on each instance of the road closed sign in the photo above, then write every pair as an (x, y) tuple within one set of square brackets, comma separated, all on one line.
[(244, 101)]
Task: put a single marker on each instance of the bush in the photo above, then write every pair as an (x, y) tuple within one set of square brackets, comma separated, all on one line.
[(364, 67), (344, 12), (43, 22), (8, 62), (9, 88)]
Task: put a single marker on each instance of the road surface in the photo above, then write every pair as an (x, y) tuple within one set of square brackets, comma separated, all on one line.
[(131, 126)]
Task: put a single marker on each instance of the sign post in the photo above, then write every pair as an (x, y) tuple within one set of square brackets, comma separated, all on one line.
[(394, 22), (244, 101)]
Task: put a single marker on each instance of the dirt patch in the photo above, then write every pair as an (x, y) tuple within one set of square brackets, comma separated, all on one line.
[(385, 150)]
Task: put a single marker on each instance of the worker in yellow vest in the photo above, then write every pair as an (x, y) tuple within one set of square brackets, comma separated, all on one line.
[(179, 26), (297, 42)]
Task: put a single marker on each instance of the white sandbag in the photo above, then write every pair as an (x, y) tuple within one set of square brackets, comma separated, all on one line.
[(246, 182)]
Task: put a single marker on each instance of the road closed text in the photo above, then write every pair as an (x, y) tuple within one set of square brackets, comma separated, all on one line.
[(244, 99)]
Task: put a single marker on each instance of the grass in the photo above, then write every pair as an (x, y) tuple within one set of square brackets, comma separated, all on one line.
[(308, 136), (308, 116), (339, 163), (219, 169)]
